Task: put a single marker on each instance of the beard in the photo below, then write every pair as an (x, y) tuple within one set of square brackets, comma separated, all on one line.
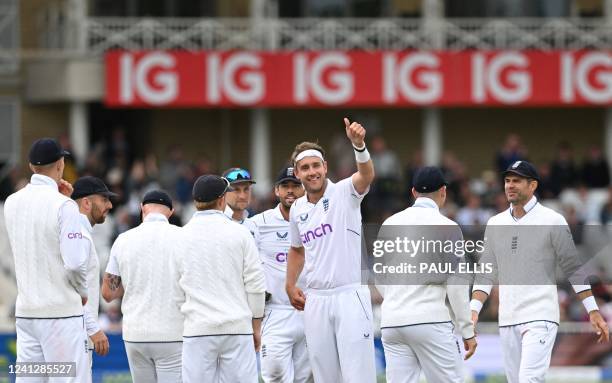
[(98, 215)]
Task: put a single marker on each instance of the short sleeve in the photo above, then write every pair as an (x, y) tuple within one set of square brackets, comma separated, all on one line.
[(113, 265), (294, 231), (347, 190)]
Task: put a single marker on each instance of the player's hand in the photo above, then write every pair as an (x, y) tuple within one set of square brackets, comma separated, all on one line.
[(65, 188), (297, 297), (600, 326), (84, 301), (470, 347), (474, 318), (355, 132), (100, 342)]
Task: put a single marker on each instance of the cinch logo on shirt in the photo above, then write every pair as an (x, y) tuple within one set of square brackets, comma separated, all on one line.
[(281, 257), (316, 233), (75, 236)]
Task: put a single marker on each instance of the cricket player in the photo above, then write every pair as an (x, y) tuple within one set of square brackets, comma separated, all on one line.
[(284, 356), (93, 198), (325, 231), (417, 330), (51, 258), (529, 314), (141, 269), (221, 276), (238, 198)]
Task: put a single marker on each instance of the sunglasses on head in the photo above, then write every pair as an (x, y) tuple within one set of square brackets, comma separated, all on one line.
[(237, 175)]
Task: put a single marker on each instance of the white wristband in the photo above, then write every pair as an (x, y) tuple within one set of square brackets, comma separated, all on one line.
[(476, 305), (590, 304), (361, 154)]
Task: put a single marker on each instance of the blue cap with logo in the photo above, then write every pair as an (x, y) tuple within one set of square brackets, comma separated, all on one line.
[(524, 169), (287, 175)]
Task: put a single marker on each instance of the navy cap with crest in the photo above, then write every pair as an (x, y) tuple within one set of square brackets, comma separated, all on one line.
[(88, 185), (428, 179), (524, 169), (159, 197), (45, 151), (209, 187), (287, 175)]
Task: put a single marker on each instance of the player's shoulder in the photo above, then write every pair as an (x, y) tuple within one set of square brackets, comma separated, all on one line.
[(499, 218), (549, 215)]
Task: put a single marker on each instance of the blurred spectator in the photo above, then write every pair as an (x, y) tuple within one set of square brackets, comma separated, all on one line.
[(473, 214), (563, 173), (386, 187), (406, 8), (455, 174), (512, 151), (595, 170), (343, 160), (171, 169), (606, 211), (545, 187), (8, 175), (590, 8), (71, 173), (415, 163)]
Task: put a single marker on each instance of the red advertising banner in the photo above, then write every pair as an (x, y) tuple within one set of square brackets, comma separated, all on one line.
[(357, 78)]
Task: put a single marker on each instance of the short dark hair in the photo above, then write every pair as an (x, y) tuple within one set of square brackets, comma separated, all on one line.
[(306, 145)]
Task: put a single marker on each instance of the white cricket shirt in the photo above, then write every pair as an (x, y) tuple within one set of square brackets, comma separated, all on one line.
[(272, 239), (144, 259), (406, 305), (330, 232)]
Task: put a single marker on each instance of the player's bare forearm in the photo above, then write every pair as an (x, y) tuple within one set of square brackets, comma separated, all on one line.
[(295, 264), (363, 177), (585, 294), (112, 288), (480, 295)]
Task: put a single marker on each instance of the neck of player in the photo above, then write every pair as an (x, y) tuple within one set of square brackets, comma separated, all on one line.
[(284, 212), (314, 197)]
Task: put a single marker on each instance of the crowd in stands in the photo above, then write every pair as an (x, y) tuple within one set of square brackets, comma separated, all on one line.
[(576, 184)]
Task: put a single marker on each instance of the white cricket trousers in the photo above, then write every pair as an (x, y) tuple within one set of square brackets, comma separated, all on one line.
[(340, 334), (152, 362), (527, 349), (219, 358), (431, 348), (54, 340), (283, 355)]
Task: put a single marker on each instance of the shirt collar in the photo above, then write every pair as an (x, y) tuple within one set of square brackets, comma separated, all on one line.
[(328, 183), (277, 213), (230, 213), (155, 217), (426, 203), (528, 206), (211, 212), (86, 223), (39, 179)]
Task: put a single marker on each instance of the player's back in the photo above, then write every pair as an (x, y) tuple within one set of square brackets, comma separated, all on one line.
[(219, 265), (151, 302)]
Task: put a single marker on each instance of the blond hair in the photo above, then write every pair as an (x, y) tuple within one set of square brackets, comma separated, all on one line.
[(200, 206), (306, 145)]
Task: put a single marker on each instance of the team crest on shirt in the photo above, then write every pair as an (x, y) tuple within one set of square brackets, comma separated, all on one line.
[(281, 236), (303, 217), (325, 204)]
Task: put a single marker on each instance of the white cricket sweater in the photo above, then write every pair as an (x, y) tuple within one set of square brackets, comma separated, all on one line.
[(93, 284), (218, 265), (538, 242), (33, 225), (145, 260), (406, 305)]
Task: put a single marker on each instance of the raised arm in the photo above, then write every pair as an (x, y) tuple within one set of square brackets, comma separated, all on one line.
[(365, 169)]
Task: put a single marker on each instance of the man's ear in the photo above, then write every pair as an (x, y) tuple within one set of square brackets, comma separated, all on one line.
[(414, 193)]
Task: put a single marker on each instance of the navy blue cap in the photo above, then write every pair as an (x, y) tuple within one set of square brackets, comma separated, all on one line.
[(287, 175), (428, 179), (88, 185), (524, 169), (45, 151), (159, 197), (209, 187)]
